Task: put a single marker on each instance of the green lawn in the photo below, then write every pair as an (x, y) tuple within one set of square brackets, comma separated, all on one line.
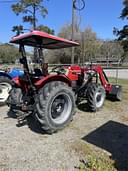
[(124, 84)]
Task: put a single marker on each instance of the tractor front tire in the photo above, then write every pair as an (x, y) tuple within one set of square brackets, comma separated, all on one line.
[(5, 87), (95, 97), (55, 106)]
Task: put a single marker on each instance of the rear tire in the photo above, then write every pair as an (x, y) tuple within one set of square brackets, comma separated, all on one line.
[(95, 97), (14, 99), (5, 87), (15, 96), (55, 106)]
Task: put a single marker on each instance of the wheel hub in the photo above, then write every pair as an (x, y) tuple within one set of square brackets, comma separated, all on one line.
[(99, 98), (57, 107)]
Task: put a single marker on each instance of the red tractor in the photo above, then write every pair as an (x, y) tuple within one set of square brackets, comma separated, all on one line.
[(51, 96)]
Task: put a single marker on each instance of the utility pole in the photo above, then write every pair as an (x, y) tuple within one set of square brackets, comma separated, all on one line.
[(83, 47), (36, 60), (78, 6), (73, 16), (34, 16)]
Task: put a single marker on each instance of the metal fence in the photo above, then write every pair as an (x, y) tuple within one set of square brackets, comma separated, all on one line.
[(112, 65)]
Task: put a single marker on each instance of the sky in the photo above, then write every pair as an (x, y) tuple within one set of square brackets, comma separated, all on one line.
[(101, 15)]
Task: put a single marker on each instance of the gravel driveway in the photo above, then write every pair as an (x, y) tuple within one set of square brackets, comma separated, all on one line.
[(27, 148)]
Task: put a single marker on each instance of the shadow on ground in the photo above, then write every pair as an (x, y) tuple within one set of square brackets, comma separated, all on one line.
[(83, 106), (113, 137), (32, 123), (11, 114)]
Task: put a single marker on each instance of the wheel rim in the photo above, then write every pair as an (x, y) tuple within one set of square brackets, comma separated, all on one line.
[(4, 91), (60, 108), (99, 98)]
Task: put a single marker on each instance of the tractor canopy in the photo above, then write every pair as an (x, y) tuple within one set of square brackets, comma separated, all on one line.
[(42, 40)]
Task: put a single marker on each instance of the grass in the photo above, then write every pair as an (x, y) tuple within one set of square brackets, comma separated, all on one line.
[(97, 163), (123, 82), (92, 160), (118, 106)]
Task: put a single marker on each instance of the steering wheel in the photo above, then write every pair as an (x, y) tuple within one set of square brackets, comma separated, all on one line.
[(58, 69)]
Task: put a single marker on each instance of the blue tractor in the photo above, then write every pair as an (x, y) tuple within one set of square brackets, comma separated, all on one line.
[(6, 82)]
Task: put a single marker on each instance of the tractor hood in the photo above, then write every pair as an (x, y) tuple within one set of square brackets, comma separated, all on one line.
[(42, 39)]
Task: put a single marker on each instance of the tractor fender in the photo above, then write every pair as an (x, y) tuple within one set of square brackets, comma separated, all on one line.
[(4, 74), (39, 84)]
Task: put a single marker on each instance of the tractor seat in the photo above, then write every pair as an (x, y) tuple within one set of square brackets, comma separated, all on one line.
[(37, 72)]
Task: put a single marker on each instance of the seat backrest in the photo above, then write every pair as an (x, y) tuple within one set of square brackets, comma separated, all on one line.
[(37, 72)]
